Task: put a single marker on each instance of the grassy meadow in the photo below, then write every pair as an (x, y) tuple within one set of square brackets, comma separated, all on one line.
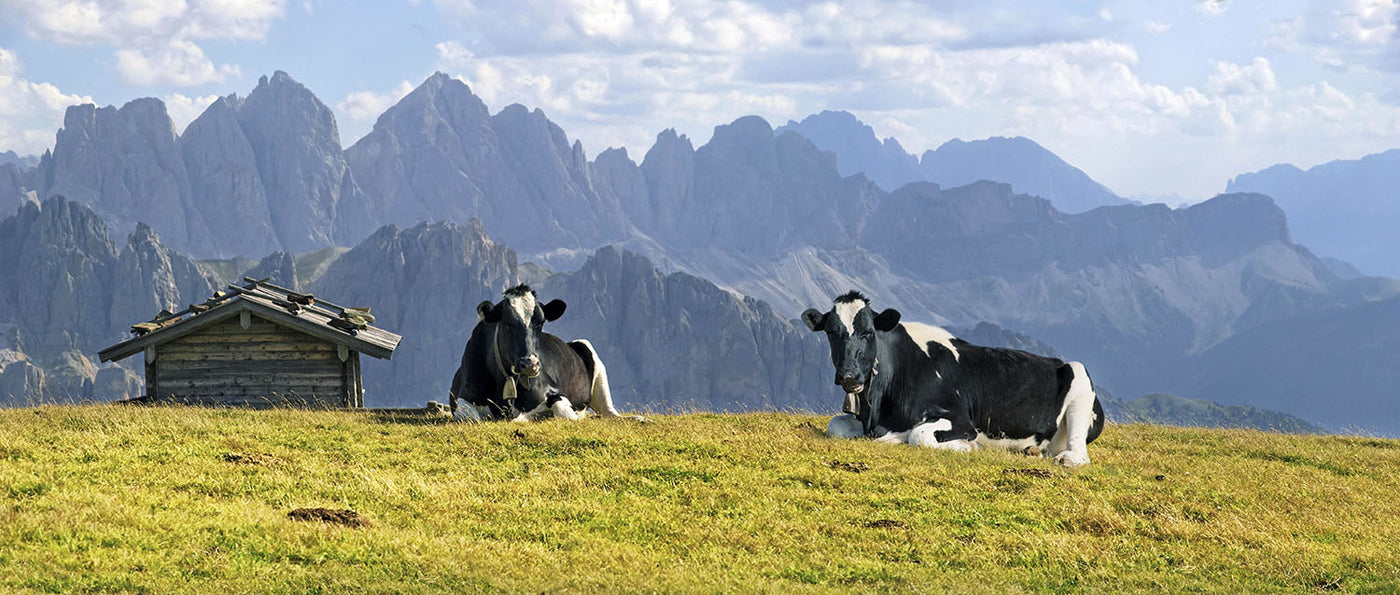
[(172, 499)]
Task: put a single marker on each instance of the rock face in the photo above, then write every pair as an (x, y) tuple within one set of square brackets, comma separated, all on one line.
[(439, 155), (224, 176), (279, 268), (66, 292), (149, 277), (1342, 209), (670, 341), (19, 161), (423, 283), (249, 176), (126, 164), (749, 192), (678, 342), (313, 200), (1028, 167), (12, 188), (857, 149)]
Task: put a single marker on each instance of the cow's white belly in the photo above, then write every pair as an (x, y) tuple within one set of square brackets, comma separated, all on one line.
[(926, 435), (1028, 445)]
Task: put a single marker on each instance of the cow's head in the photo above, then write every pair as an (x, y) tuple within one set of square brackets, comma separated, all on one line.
[(851, 328), (518, 318)]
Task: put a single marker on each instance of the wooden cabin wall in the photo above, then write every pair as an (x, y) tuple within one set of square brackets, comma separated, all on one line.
[(265, 365)]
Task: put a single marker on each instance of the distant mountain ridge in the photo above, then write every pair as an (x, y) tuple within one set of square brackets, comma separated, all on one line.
[(657, 332), (249, 175), (1136, 292), (1028, 167), (1345, 209), (20, 161)]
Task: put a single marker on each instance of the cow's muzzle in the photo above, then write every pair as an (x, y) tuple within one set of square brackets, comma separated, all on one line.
[(526, 368), (849, 383)]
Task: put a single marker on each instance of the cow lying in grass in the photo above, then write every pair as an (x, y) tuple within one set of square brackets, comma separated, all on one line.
[(915, 383), (512, 369)]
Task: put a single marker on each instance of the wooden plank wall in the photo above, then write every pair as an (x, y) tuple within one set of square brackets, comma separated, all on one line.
[(266, 365)]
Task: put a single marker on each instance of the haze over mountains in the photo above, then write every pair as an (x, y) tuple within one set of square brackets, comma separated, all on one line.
[(1343, 209), (1019, 161), (686, 268)]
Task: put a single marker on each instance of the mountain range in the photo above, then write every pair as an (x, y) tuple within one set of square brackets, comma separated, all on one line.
[(662, 260), (1028, 167), (1344, 209)]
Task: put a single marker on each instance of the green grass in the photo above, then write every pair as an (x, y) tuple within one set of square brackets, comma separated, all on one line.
[(109, 498)]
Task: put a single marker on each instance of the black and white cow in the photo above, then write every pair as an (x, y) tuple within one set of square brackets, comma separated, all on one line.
[(512, 369), (916, 383)]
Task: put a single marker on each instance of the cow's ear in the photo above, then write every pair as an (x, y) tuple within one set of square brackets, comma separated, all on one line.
[(554, 309), (814, 319), (887, 320), (487, 311)]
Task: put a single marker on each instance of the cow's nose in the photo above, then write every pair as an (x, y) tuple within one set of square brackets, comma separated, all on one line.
[(846, 379), (528, 365)]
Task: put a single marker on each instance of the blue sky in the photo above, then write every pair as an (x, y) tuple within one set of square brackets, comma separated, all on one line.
[(1152, 98)]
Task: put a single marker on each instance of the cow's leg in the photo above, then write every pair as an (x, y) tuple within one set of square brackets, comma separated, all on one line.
[(1069, 446), (844, 426), (943, 434), (600, 399), (564, 409), (540, 411)]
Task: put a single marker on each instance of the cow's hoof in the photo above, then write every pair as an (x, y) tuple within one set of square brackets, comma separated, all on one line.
[(1070, 458)]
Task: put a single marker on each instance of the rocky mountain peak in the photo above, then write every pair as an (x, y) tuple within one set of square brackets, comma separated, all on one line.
[(313, 200), (857, 149)]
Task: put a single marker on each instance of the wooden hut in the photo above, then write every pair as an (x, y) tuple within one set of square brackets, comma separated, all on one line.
[(257, 345)]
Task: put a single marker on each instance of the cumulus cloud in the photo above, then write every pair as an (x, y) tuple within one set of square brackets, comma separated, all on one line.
[(1212, 8), (1345, 35), (29, 111), (358, 111), (156, 39), (179, 63), (1237, 79), (184, 109)]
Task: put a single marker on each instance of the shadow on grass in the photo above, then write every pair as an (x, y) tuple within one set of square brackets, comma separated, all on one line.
[(411, 417)]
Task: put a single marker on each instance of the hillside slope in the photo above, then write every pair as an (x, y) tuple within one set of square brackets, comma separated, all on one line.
[(175, 499)]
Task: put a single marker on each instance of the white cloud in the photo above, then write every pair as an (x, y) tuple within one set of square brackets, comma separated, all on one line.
[(141, 22), (358, 111), (180, 63), (29, 111), (155, 38), (184, 109), (1212, 8), (1344, 35), (1236, 79)]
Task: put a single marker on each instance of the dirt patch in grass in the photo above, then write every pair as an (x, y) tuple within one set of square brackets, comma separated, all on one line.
[(852, 466), (256, 458), (886, 524), (1038, 473), (346, 517)]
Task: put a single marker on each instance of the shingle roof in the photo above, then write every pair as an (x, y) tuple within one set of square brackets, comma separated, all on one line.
[(336, 324)]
